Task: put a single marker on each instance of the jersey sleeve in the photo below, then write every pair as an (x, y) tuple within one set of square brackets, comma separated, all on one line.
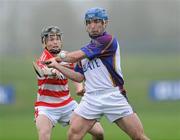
[(100, 47), (78, 68)]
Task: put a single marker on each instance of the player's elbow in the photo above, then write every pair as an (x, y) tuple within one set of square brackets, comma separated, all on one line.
[(79, 78)]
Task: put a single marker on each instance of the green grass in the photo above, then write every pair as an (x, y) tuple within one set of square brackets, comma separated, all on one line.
[(161, 119)]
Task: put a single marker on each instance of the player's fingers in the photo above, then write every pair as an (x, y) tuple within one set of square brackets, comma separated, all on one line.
[(81, 92), (58, 59)]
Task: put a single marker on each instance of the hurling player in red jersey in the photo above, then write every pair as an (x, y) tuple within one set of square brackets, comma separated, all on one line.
[(54, 103)]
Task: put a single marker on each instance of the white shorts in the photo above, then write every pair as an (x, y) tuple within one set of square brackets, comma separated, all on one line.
[(110, 103), (58, 114)]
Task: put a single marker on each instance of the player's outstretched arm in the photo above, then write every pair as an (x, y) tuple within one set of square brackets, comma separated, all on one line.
[(71, 57), (71, 74)]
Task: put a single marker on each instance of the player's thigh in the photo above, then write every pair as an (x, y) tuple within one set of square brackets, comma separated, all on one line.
[(43, 123), (130, 124), (79, 124)]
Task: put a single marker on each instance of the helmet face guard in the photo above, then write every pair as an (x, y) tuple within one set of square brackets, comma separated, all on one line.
[(96, 13), (51, 31)]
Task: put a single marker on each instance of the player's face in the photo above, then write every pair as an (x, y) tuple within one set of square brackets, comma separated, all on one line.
[(95, 27), (53, 42)]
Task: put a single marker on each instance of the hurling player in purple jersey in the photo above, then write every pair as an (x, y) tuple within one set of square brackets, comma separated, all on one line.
[(98, 65)]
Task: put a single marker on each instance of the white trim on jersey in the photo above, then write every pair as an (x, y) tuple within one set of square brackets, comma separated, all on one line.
[(54, 87), (49, 99)]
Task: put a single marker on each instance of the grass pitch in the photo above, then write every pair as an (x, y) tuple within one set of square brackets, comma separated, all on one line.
[(161, 119)]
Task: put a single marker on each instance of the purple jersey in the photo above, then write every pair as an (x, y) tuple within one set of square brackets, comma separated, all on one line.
[(101, 68)]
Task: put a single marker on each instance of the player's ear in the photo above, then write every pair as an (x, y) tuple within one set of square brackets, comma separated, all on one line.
[(105, 23), (61, 45)]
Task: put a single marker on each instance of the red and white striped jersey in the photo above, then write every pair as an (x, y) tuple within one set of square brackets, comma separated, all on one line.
[(52, 91)]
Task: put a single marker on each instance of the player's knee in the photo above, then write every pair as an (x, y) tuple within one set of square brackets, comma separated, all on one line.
[(44, 133), (139, 136), (73, 133)]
